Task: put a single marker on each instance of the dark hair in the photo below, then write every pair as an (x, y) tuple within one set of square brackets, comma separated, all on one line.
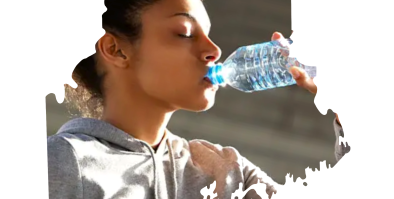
[(122, 19)]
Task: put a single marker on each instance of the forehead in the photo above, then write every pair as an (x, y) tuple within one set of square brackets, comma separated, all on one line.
[(169, 8)]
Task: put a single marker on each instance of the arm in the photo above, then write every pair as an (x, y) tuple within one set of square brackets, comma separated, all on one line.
[(64, 179)]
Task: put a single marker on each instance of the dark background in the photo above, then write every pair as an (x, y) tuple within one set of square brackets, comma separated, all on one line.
[(279, 130)]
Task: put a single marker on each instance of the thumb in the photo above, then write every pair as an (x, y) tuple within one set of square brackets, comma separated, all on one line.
[(299, 74), (303, 80)]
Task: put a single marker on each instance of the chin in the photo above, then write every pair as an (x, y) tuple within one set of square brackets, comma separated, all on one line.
[(208, 105), (201, 105)]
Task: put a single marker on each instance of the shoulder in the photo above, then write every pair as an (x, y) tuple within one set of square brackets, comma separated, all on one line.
[(59, 143), (64, 173), (61, 152), (66, 150), (69, 138), (73, 142)]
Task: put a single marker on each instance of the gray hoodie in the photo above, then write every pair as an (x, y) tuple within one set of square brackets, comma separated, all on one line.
[(92, 159)]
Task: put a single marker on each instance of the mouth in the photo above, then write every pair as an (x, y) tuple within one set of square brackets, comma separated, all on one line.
[(208, 84), (207, 80)]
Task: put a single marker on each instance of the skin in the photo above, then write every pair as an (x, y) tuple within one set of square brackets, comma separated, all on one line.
[(148, 81)]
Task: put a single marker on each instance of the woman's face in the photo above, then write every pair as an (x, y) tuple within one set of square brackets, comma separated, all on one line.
[(174, 54)]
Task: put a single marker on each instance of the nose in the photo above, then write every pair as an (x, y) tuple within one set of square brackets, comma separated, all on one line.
[(212, 52)]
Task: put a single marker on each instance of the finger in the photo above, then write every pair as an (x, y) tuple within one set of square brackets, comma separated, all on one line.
[(283, 43), (277, 36), (299, 75), (303, 80)]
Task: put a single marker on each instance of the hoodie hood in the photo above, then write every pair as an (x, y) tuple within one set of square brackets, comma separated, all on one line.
[(106, 132), (115, 138)]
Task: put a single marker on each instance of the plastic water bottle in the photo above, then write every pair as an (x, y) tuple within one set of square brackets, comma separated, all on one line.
[(258, 67)]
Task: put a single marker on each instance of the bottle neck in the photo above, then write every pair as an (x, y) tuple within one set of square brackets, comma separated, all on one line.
[(215, 74)]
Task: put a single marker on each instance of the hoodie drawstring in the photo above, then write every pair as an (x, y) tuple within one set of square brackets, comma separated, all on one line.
[(173, 170), (154, 168), (172, 160)]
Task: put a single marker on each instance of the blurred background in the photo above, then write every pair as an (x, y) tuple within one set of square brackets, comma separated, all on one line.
[(279, 130)]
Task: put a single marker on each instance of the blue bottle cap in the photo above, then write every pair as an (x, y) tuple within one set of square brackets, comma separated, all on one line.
[(214, 74)]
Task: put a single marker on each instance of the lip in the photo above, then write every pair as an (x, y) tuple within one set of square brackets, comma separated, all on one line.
[(207, 80), (208, 84)]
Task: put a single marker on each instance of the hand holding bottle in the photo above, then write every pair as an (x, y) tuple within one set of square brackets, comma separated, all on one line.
[(300, 76), (306, 82)]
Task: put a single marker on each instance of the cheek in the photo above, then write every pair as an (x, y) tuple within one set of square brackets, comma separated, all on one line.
[(154, 77), (161, 78), (169, 67), (170, 74)]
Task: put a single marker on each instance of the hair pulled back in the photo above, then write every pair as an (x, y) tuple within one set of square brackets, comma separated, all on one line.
[(121, 19)]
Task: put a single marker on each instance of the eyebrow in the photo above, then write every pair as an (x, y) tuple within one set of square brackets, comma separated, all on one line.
[(189, 16)]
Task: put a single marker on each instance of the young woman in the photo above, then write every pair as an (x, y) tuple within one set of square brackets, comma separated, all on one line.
[(150, 63)]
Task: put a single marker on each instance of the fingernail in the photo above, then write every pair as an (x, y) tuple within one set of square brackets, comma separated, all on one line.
[(276, 32)]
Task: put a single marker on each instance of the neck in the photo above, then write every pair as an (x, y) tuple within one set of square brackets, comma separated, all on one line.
[(143, 117)]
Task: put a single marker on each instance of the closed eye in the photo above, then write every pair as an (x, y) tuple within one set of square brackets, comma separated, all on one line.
[(185, 36)]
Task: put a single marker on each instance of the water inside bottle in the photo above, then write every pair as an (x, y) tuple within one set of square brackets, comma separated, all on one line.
[(255, 69)]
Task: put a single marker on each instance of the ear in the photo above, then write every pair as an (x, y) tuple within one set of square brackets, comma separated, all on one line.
[(112, 51)]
